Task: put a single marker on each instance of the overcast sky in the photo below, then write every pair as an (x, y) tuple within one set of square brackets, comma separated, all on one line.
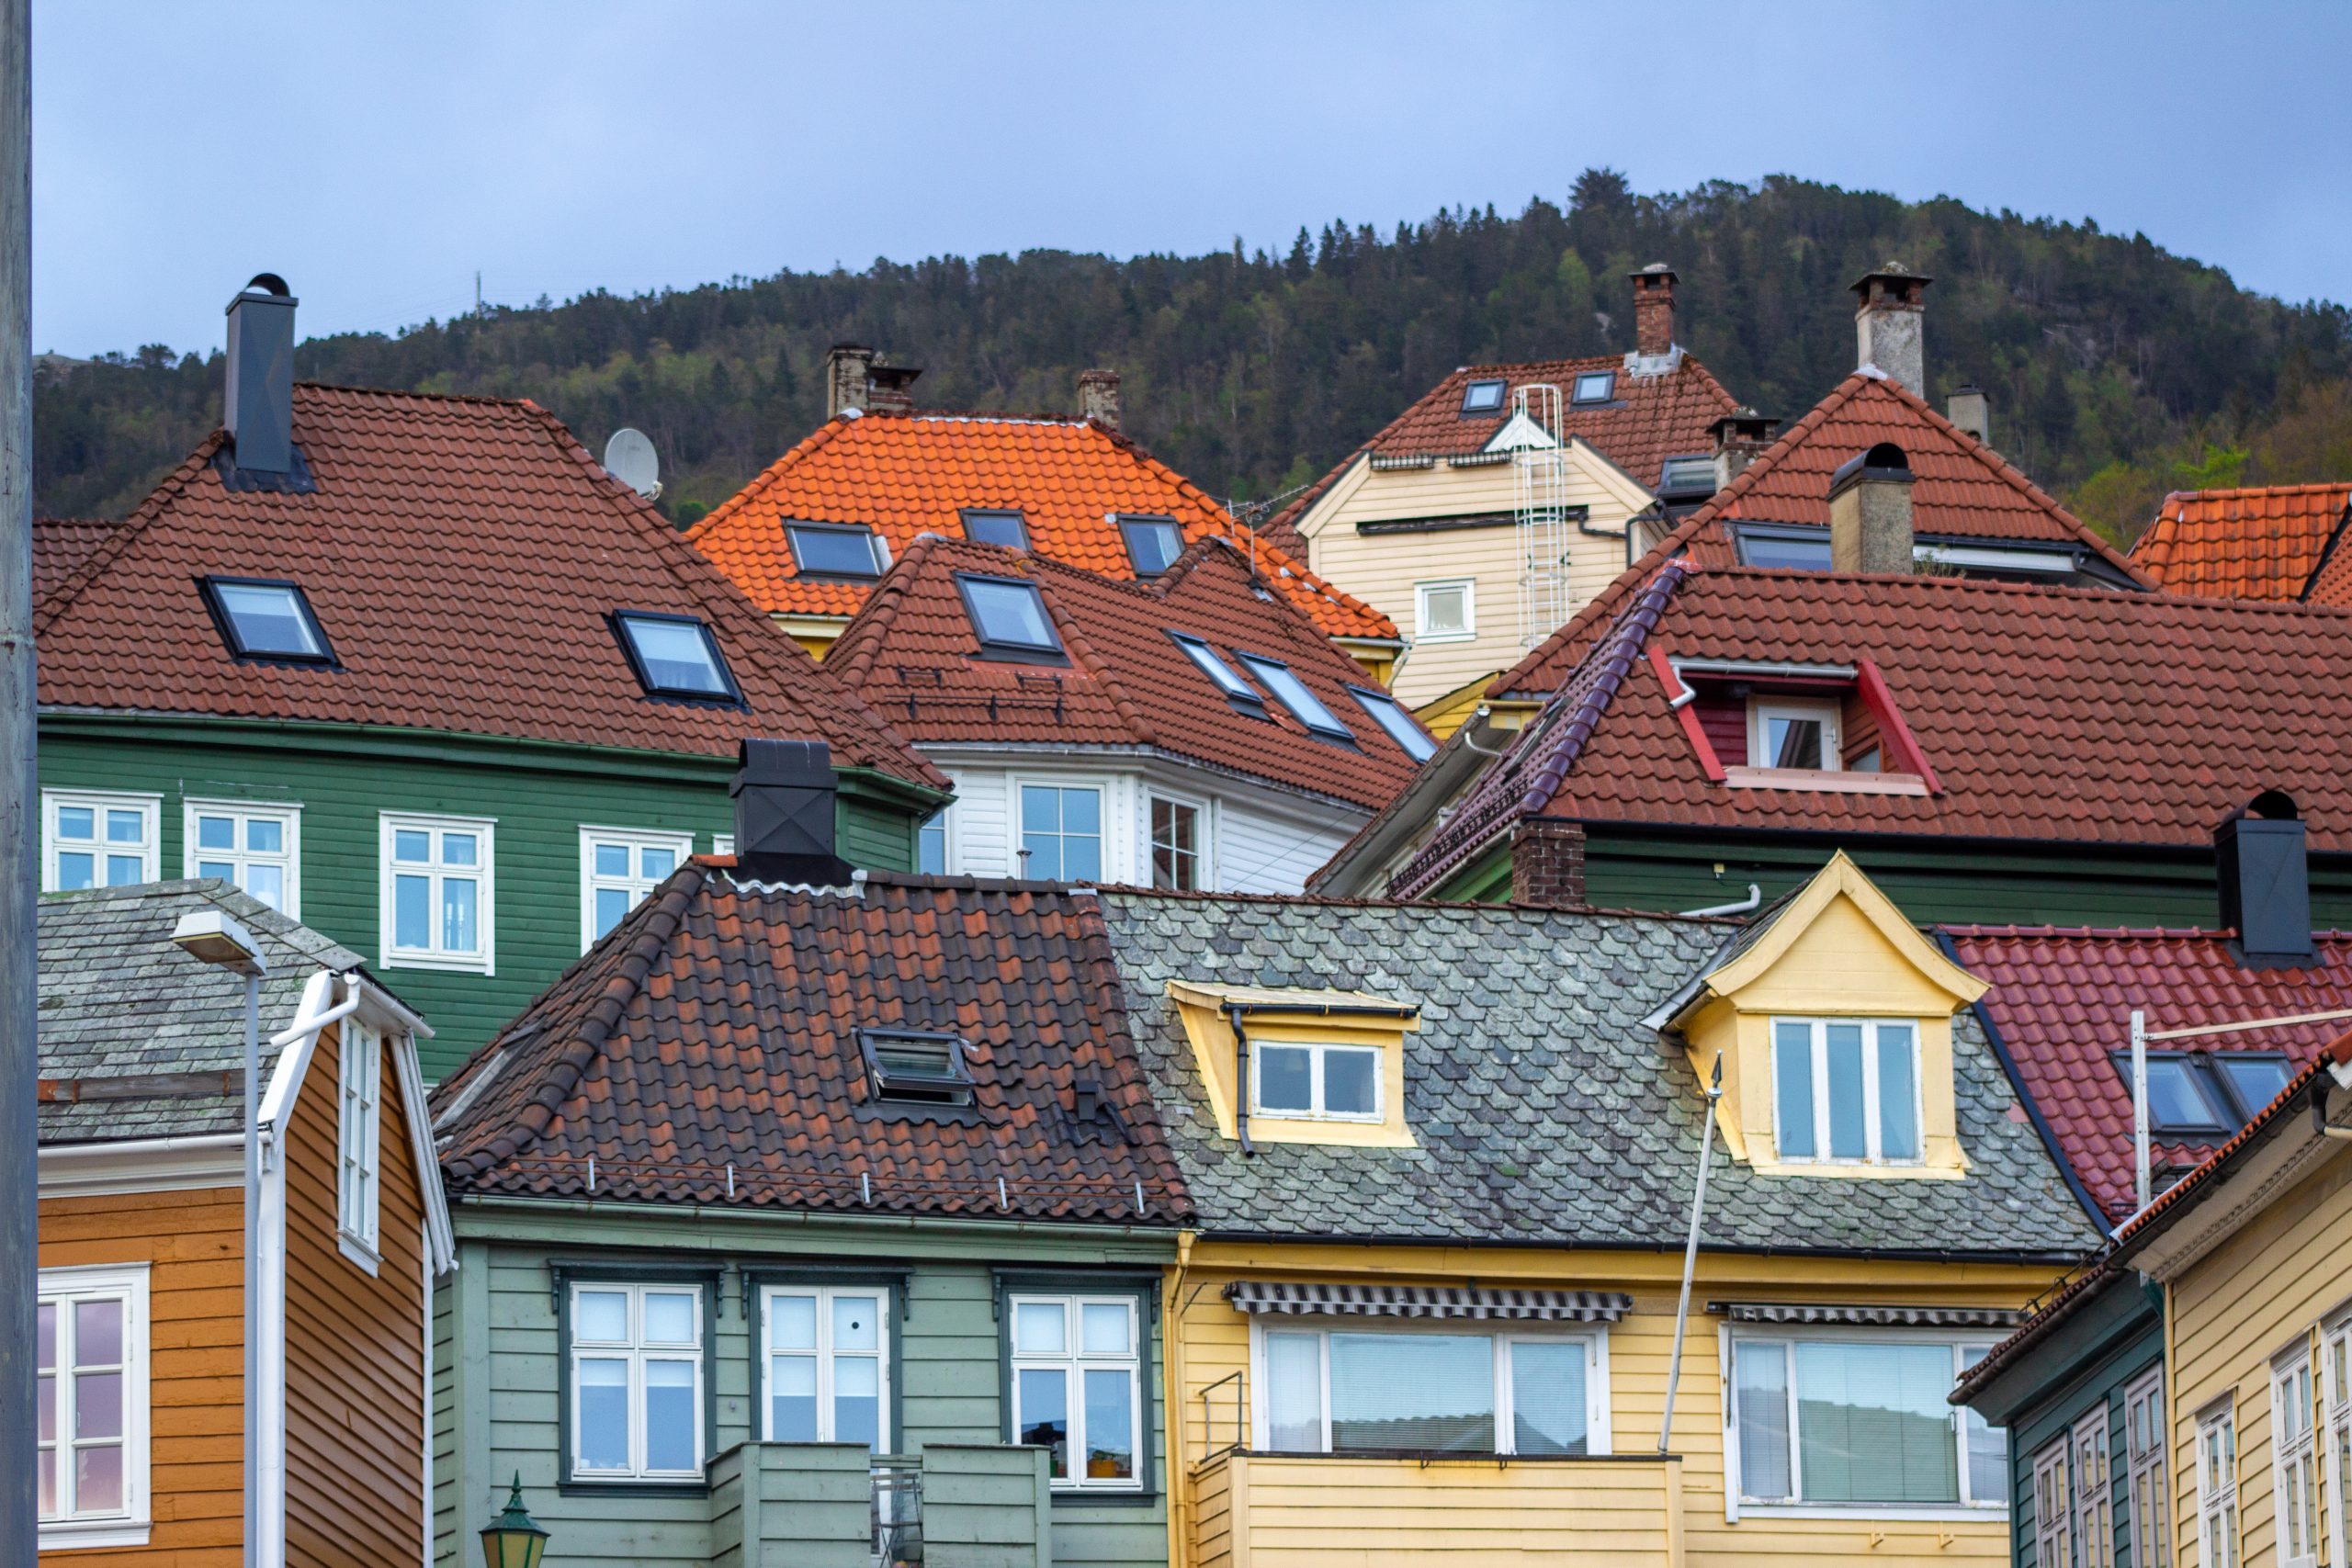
[(378, 155)]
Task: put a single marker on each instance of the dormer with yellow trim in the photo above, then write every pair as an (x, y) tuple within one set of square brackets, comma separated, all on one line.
[(1300, 1066), (1832, 1016)]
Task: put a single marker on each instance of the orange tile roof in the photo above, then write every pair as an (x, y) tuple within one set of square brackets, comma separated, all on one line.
[(2260, 542), (909, 474)]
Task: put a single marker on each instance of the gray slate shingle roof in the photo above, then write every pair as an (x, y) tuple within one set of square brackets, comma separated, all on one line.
[(1544, 1111), (117, 999)]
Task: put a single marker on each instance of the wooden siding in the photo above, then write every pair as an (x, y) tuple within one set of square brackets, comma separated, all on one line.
[(193, 1243), (355, 1357)]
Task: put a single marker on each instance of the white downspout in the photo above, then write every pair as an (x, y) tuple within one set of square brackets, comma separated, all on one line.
[(2139, 1173), (1754, 900)]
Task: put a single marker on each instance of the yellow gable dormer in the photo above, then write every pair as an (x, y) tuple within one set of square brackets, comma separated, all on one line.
[(1833, 1021), (1286, 1066)]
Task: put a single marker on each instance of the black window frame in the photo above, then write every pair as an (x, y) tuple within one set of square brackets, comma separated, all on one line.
[(1129, 521), (996, 648), (733, 698), (1343, 736), (872, 535), (1786, 535), (1248, 701), (1020, 525), (563, 1273), (226, 622), (1502, 398), (1577, 400), (953, 1090), (1372, 701), (2204, 1069)]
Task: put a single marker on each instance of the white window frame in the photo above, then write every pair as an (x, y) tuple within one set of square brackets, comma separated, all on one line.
[(2336, 1365), (2220, 1534), (1204, 835), (149, 808), (486, 891), (2149, 1527), (2053, 1509), (1873, 1114), (823, 1295), (1075, 1362), (681, 845), (1317, 1050), (2092, 1498), (1469, 632), (2294, 1458), (359, 1120), (945, 818), (128, 1526), (637, 1353), (1594, 1337), (1016, 784), (1819, 709), (289, 817), (1966, 1350)]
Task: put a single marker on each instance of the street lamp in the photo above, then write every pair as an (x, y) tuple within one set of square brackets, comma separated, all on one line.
[(212, 937), (513, 1539)]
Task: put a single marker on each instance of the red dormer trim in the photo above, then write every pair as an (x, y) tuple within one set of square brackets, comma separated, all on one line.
[(1892, 732), (1679, 697)]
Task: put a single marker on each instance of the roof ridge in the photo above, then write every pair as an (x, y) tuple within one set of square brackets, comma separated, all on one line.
[(2183, 604), (1082, 647), (2219, 492), (766, 478), (860, 644), (142, 517), (479, 398)]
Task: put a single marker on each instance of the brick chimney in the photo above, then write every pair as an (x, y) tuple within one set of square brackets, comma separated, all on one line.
[(1098, 397), (891, 388), (1971, 411), (1653, 311), (846, 365), (1740, 436), (1893, 304), (1870, 512)]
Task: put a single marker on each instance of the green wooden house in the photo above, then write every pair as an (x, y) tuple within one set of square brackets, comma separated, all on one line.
[(416, 671)]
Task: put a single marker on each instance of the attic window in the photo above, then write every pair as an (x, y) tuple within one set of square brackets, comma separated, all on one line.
[(1595, 387), (1481, 399), (1237, 692), (916, 1066), (262, 618), (1797, 548), (1304, 704), (2206, 1095), (1004, 527), (1691, 475), (1402, 728), (836, 550), (1009, 617), (1153, 543), (676, 655), (1791, 732)]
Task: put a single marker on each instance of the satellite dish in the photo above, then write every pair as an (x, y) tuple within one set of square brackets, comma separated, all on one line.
[(629, 457)]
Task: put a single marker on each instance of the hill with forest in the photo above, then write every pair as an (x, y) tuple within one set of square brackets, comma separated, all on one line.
[(2117, 370)]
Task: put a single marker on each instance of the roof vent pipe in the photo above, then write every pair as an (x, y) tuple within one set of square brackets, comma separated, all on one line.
[(784, 795), (1870, 512), (2260, 859), (260, 405)]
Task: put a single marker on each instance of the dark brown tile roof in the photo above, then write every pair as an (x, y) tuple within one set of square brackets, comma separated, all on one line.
[(61, 544), (462, 555), (705, 1052)]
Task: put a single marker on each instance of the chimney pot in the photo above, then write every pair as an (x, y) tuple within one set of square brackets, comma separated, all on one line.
[(2261, 862), (1870, 512), (891, 388), (846, 365), (784, 794), (1740, 436), (1098, 397), (1893, 302), (1971, 411), (1653, 311), (260, 404)]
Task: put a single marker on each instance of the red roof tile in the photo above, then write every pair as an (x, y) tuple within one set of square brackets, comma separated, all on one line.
[(912, 654), (462, 555), (2263, 542), (909, 474), (63, 543), (2061, 1005), (705, 1052)]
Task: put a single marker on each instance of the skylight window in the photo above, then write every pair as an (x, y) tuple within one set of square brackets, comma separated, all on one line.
[(1009, 617), (1004, 527), (264, 619), (1481, 399), (676, 655), (833, 549), (2206, 1095), (1689, 475), (1402, 728), (916, 1066), (1223, 676), (1595, 387), (1305, 707), (1153, 543)]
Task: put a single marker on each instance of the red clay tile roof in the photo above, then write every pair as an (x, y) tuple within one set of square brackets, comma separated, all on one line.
[(61, 544), (461, 554), (1652, 418), (909, 474), (705, 1052), (912, 654), (2061, 1006), (2262, 542)]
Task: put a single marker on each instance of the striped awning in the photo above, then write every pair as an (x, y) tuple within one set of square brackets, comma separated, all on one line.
[(1880, 1316), (1427, 1301)]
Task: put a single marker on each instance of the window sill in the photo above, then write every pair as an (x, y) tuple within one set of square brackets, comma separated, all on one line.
[(1874, 1513), (1425, 639), (364, 1257), (428, 961), (1080, 1497), (1823, 781), (622, 1488), (66, 1536)]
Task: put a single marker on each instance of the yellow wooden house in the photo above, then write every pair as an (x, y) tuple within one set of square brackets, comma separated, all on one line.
[(1444, 1159)]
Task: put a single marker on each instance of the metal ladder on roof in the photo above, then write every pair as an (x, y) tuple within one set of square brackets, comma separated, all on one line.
[(1540, 506)]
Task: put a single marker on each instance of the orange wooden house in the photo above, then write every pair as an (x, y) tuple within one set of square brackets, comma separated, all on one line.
[(144, 1314)]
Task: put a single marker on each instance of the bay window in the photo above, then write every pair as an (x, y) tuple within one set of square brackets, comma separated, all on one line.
[(1859, 1422), (826, 1371), (1329, 1389), (1076, 1378), (1846, 1089), (636, 1365)]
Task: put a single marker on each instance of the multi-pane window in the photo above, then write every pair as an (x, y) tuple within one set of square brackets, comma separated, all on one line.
[(1347, 1390), (618, 867), (2294, 1462), (2206, 1095), (257, 847), (2054, 1514), (827, 1371), (2094, 1503), (359, 1135), (2217, 1488), (436, 893), (1077, 1387), (90, 1403), (1821, 1420), (2149, 1527), (1061, 832), (931, 844), (1175, 845), (1444, 612), (2336, 1358), (89, 839), (1846, 1089), (637, 1391), (1317, 1082)]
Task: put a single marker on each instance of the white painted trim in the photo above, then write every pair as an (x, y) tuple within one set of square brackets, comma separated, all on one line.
[(290, 816), (90, 1537), (355, 1234), (681, 845), (143, 1165), (1818, 709), (1204, 809), (486, 900), (824, 1353), (1469, 586), (1117, 859), (1731, 1422), (151, 850), (129, 1281)]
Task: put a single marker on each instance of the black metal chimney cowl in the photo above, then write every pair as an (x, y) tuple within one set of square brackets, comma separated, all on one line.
[(2261, 862), (784, 792), (259, 412)]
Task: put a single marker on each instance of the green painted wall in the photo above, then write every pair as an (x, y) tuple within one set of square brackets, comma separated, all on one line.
[(540, 795), (497, 1378)]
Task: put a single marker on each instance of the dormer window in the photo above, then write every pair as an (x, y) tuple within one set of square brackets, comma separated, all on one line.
[(1153, 543), (676, 655), (1005, 529), (1595, 387), (1300, 1066), (836, 550), (1785, 732), (1317, 1083), (267, 620), (1773, 725), (1846, 1090), (917, 1066), (1009, 617), (1483, 399)]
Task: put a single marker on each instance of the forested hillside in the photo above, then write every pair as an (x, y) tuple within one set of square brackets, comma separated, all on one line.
[(2117, 370)]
